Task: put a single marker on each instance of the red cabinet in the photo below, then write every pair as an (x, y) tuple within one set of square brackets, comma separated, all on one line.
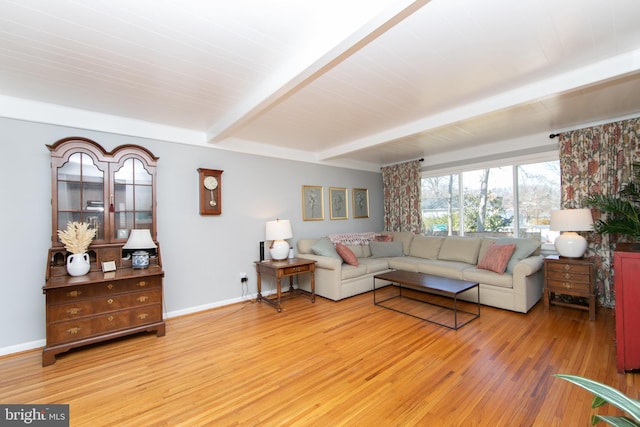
[(626, 266)]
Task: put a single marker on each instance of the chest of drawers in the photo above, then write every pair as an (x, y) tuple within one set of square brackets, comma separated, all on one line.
[(99, 306), (569, 276)]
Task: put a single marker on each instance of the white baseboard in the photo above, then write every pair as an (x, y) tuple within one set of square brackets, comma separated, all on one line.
[(18, 348)]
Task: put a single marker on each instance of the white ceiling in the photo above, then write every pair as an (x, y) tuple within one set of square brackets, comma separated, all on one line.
[(359, 83)]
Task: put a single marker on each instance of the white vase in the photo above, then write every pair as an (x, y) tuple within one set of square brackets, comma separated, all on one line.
[(78, 264)]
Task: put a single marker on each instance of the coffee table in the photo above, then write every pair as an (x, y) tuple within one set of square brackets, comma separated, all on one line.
[(429, 284)]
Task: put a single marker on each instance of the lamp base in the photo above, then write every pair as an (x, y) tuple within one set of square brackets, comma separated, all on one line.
[(279, 250), (570, 245)]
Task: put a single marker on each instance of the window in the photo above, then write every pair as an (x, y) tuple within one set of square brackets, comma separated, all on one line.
[(510, 200)]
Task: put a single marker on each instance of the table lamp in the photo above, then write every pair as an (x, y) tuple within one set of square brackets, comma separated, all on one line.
[(277, 231), (139, 240), (570, 244)]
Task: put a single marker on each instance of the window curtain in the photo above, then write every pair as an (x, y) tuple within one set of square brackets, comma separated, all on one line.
[(592, 161), (402, 189)]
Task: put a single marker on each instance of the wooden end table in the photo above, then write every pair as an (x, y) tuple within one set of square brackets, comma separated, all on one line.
[(570, 276), (286, 268)]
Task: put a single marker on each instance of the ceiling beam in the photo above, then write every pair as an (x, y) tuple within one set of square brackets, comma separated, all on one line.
[(617, 66), (312, 65)]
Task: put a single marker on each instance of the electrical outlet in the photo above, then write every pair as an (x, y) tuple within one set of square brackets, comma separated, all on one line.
[(243, 275)]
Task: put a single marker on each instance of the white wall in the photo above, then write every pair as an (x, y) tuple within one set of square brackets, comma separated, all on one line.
[(202, 255)]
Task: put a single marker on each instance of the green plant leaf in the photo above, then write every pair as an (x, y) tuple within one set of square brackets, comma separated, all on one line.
[(614, 421), (598, 402), (610, 394)]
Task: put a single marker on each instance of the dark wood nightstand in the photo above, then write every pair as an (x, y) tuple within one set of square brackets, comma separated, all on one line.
[(569, 276)]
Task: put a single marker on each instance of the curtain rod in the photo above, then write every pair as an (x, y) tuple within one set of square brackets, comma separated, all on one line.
[(404, 161)]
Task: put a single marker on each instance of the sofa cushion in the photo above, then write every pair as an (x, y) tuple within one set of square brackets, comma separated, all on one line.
[(351, 271), (486, 244), (366, 251), (463, 249), (450, 269), (358, 250), (405, 263), (524, 248), (406, 237), (496, 258), (374, 265), (386, 249), (426, 247), (305, 245), (324, 247), (348, 256), (488, 277)]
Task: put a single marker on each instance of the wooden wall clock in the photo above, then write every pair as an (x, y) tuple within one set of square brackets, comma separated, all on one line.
[(210, 191)]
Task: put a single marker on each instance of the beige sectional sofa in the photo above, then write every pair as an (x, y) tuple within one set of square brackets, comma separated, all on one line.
[(517, 289)]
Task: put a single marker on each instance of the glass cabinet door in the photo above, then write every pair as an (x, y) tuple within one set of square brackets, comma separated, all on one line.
[(133, 203), (80, 193), (113, 191)]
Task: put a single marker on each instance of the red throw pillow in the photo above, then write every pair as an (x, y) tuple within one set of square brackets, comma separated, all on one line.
[(347, 254), (497, 257), (384, 238)]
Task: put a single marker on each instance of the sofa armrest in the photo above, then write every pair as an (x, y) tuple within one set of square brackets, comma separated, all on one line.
[(528, 282), (528, 266), (328, 276), (326, 262)]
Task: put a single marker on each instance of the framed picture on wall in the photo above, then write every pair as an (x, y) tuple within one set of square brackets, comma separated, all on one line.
[(338, 200), (360, 206), (312, 203)]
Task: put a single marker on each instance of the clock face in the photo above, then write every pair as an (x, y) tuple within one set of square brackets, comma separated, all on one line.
[(210, 183)]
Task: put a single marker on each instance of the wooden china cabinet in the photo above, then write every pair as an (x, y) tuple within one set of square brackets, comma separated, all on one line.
[(114, 192)]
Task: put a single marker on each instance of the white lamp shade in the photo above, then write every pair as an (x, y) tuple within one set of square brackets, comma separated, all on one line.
[(277, 231), (571, 220), (570, 244), (140, 239)]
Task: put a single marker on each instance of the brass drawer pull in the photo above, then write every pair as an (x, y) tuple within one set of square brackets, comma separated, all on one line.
[(74, 330), (110, 286), (566, 285), (143, 316), (73, 311), (567, 276), (110, 318), (74, 294), (141, 283), (110, 301), (143, 298)]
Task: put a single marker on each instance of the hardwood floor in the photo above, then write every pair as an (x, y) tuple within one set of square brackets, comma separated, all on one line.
[(347, 363)]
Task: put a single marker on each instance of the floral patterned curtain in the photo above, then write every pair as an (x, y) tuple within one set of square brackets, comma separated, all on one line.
[(592, 161), (402, 190)]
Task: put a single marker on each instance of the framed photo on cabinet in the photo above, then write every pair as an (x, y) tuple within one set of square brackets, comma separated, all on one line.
[(312, 203), (360, 205), (338, 198)]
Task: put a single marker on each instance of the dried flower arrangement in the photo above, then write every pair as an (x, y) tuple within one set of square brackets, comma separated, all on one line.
[(77, 237)]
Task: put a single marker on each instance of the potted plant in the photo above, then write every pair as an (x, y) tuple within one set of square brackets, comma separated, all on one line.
[(76, 239), (622, 209), (604, 394)]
